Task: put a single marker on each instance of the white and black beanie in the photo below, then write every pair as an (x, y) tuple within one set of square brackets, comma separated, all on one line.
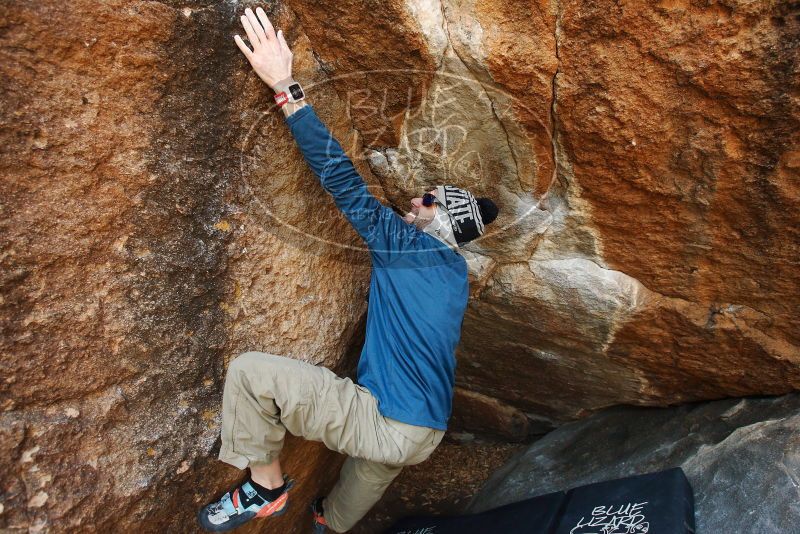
[(468, 215)]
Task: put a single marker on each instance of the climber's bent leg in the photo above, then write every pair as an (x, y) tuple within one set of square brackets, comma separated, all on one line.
[(266, 395), (260, 388)]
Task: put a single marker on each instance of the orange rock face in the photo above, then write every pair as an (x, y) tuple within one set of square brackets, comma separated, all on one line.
[(157, 221), (668, 273), (140, 252)]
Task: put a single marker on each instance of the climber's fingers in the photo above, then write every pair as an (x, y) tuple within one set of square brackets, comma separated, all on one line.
[(255, 42), (268, 53), (262, 16), (282, 41), (243, 47), (256, 26)]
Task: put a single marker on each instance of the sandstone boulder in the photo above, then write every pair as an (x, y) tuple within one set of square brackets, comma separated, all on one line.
[(156, 222)]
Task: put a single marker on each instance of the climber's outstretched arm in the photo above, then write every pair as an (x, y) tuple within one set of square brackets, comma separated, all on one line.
[(381, 228)]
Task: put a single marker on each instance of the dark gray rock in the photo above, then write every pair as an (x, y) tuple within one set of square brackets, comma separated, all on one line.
[(742, 457)]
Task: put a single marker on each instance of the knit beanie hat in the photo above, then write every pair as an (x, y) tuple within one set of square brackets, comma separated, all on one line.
[(468, 215)]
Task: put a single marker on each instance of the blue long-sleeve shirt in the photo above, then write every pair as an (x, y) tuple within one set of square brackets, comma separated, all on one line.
[(418, 290)]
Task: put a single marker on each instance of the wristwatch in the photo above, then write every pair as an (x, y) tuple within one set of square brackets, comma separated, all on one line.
[(288, 90)]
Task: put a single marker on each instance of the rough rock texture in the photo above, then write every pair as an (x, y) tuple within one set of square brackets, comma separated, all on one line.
[(156, 222), (668, 271), (479, 413), (741, 456), (392, 52), (137, 260)]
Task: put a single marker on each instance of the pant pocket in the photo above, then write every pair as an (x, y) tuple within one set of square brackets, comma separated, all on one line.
[(416, 442), (437, 437), (418, 435), (300, 380)]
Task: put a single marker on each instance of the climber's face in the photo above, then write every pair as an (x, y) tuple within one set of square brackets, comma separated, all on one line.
[(419, 213)]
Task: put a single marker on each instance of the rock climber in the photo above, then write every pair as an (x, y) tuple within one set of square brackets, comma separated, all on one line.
[(397, 412)]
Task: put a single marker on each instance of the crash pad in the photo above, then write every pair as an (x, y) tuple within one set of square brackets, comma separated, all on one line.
[(655, 503)]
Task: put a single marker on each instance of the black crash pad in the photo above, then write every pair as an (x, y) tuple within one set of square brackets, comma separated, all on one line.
[(654, 503)]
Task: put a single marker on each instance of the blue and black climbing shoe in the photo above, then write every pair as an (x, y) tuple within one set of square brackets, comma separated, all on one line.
[(319, 526), (246, 501)]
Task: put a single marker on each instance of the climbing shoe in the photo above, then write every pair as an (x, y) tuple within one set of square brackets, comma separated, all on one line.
[(241, 504), (319, 526)]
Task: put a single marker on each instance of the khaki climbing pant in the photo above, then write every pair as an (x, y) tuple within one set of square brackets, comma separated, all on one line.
[(266, 395)]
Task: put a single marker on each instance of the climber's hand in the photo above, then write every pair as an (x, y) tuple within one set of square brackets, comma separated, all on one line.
[(270, 57)]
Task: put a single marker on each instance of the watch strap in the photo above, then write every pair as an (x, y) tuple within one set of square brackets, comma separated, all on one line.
[(283, 94), (281, 99)]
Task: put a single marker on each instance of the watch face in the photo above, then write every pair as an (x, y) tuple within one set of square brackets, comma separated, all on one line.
[(296, 90)]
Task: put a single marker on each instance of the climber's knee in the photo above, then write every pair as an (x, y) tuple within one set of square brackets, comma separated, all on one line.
[(255, 362), (243, 361)]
